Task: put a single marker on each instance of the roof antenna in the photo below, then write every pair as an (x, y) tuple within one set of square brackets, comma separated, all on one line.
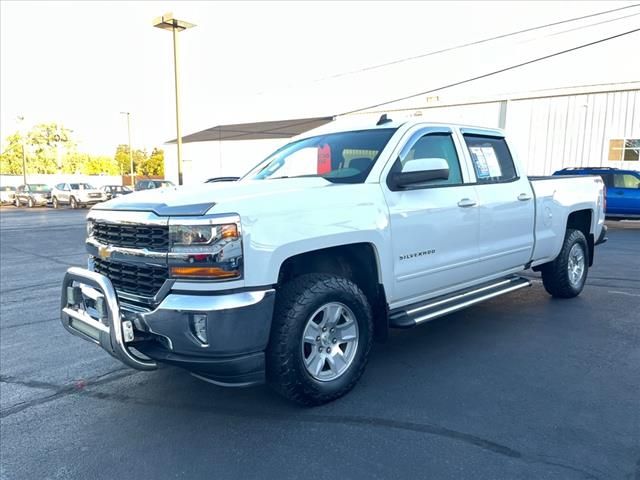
[(384, 119)]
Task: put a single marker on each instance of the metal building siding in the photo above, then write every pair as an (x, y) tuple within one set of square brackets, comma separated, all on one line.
[(574, 130)]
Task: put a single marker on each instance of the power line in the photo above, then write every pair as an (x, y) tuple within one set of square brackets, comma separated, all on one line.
[(495, 72), (485, 40)]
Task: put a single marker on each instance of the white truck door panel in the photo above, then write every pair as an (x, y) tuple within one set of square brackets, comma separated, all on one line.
[(434, 241), (434, 225), (506, 205)]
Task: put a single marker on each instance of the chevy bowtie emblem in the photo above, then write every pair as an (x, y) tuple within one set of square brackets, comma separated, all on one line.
[(104, 252)]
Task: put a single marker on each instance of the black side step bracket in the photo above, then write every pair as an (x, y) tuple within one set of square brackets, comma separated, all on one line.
[(418, 313)]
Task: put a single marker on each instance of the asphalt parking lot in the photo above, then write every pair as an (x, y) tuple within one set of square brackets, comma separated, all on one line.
[(523, 386)]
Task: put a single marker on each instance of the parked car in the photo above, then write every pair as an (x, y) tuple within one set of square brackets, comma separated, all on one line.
[(114, 191), (287, 275), (151, 184), (622, 189), (32, 195), (7, 194), (76, 195), (222, 179)]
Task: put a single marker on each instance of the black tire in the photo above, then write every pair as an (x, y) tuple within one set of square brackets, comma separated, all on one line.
[(73, 203), (296, 301), (556, 276), (16, 202), (54, 202), (30, 202)]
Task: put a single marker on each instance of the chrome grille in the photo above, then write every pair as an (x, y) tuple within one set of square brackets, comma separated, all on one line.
[(152, 237), (137, 279)]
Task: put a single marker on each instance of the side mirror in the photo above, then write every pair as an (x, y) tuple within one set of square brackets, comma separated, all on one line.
[(420, 170)]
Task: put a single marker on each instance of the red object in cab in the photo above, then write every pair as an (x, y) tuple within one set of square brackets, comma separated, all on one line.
[(324, 159)]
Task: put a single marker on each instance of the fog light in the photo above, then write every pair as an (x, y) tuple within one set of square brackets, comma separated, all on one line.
[(199, 327)]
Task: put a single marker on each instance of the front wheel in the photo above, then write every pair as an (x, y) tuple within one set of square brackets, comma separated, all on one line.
[(55, 202), (73, 203), (16, 202), (566, 275), (320, 338), (30, 203)]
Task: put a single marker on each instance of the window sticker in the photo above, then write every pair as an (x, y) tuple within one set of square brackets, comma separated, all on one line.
[(482, 169), (492, 161), (486, 162)]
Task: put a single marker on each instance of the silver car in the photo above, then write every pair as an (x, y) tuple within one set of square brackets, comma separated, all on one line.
[(7, 194), (76, 195), (32, 195)]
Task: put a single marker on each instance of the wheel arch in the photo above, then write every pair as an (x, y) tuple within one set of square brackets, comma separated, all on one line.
[(359, 262), (582, 220)]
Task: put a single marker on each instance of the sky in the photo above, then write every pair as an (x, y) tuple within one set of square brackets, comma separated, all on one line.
[(82, 63)]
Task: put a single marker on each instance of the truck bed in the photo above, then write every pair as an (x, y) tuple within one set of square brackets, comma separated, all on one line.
[(555, 196)]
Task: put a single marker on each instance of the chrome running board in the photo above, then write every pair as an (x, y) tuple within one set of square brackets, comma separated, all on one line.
[(416, 314)]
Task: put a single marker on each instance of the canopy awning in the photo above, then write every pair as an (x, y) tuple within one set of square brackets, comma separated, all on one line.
[(257, 130)]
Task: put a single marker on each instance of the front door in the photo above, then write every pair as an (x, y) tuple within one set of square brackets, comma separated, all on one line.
[(623, 194), (434, 225)]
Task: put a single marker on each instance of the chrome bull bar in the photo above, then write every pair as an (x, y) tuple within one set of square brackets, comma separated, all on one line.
[(90, 310)]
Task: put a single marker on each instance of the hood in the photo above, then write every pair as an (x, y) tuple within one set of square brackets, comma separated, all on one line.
[(194, 200)]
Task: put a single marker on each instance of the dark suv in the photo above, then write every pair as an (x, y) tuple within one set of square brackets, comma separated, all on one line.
[(622, 189), (149, 184)]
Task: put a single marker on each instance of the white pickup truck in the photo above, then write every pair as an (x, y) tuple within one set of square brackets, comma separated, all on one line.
[(289, 273)]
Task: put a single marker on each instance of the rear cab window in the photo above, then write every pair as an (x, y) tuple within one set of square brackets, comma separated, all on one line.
[(491, 159)]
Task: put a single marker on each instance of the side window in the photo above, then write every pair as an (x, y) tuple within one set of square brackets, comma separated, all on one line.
[(491, 159), (435, 145), (625, 180), (60, 186)]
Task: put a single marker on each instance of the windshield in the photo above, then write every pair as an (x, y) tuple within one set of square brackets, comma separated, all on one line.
[(81, 186), (345, 157), (38, 187)]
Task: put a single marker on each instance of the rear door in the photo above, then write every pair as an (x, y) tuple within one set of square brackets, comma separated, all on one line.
[(506, 205)]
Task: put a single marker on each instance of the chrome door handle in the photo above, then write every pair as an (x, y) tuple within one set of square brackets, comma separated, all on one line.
[(523, 197), (466, 203)]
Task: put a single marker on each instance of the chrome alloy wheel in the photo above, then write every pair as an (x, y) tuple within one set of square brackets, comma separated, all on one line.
[(330, 341), (576, 265)]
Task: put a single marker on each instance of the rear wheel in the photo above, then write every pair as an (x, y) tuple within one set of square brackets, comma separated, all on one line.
[(320, 338), (566, 275)]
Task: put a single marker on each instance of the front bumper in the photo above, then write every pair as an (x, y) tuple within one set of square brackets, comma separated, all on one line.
[(237, 328), (92, 200)]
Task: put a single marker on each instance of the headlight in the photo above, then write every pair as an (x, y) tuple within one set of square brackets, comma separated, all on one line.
[(205, 248), (190, 236), (89, 228)]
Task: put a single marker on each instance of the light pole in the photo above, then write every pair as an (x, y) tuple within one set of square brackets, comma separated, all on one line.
[(24, 155), (128, 114), (167, 22)]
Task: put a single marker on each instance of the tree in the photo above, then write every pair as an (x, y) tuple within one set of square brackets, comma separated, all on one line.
[(154, 165), (42, 145), (11, 157), (45, 141)]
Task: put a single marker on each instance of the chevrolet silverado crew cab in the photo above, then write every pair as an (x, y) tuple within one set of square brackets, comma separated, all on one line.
[(288, 274)]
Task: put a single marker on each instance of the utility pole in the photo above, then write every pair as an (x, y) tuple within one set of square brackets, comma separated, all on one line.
[(24, 155), (167, 22), (128, 114)]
